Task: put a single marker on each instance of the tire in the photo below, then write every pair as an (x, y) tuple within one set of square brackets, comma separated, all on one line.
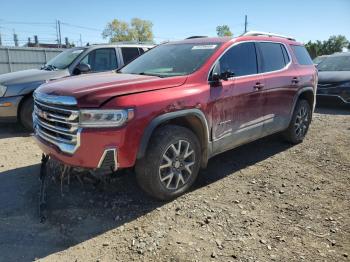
[(171, 163), (26, 113), (300, 123)]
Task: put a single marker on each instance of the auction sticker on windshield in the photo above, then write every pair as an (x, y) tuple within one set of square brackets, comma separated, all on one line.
[(201, 47)]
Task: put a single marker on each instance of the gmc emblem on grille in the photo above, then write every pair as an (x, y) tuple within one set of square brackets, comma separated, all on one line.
[(42, 114)]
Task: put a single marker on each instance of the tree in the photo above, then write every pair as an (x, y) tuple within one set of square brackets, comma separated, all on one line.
[(223, 30), (140, 30), (117, 31), (332, 45)]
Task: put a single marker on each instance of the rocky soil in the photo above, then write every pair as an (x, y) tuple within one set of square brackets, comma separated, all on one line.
[(265, 201)]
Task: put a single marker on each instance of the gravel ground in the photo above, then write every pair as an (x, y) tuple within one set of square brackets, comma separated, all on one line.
[(263, 201)]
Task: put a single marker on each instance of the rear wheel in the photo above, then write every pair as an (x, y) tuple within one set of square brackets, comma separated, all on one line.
[(171, 163), (26, 113), (300, 122)]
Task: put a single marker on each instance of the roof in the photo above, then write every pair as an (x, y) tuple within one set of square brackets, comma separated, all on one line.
[(252, 35), (341, 54), (121, 45), (204, 40)]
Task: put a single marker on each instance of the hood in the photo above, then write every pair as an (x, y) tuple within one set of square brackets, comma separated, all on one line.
[(31, 75), (92, 90), (333, 76)]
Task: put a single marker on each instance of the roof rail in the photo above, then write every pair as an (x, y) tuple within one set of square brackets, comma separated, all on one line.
[(196, 36), (257, 33)]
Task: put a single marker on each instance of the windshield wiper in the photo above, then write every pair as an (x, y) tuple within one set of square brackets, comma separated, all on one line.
[(150, 74), (49, 67)]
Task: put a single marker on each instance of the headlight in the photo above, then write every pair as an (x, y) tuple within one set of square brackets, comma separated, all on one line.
[(105, 118), (2, 90)]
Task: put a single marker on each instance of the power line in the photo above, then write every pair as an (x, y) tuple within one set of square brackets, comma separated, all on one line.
[(82, 27), (26, 23)]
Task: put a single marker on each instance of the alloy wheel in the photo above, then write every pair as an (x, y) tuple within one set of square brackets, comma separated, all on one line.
[(301, 122), (177, 164)]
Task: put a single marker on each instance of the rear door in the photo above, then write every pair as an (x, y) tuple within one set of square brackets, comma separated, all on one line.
[(281, 83), (237, 103)]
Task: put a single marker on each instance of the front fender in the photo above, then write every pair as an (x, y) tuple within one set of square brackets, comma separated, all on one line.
[(166, 117), (22, 88)]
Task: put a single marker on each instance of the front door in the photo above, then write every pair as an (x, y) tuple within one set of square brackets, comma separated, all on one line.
[(237, 101)]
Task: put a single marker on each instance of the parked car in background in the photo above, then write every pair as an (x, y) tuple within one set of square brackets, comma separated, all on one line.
[(319, 59), (16, 89), (334, 79), (170, 110)]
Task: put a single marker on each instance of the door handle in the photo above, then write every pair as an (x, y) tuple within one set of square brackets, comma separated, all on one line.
[(295, 80), (258, 86)]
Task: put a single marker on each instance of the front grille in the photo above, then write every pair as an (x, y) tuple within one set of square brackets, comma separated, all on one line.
[(56, 122)]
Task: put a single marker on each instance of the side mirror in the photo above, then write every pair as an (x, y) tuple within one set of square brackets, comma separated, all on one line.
[(82, 68), (215, 77), (226, 75)]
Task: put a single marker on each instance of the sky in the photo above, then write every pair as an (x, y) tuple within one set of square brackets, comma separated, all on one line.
[(173, 20)]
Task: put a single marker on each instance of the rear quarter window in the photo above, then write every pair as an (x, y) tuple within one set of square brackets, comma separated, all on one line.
[(302, 55)]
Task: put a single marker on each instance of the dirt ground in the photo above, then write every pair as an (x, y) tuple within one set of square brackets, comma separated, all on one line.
[(265, 201)]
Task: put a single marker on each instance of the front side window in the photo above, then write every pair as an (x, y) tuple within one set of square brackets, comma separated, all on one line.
[(103, 59), (302, 55), (273, 57), (171, 60), (239, 60), (335, 63), (285, 55)]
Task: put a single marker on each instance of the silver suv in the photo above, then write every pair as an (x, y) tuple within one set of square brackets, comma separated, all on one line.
[(16, 89)]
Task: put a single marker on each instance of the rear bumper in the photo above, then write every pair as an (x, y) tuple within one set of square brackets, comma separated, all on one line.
[(9, 108)]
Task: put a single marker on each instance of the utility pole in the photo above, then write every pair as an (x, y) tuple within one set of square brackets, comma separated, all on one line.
[(59, 32), (56, 32), (15, 39), (245, 24), (81, 41)]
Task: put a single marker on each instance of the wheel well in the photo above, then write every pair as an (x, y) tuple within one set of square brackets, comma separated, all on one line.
[(25, 97), (193, 123), (308, 96)]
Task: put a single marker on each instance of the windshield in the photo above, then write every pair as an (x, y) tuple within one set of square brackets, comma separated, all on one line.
[(335, 63), (64, 59), (171, 60)]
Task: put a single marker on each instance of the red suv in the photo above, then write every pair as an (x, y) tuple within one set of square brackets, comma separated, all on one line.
[(170, 110)]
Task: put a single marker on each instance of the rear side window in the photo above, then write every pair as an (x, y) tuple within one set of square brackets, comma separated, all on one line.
[(239, 60), (302, 55), (129, 54), (273, 57)]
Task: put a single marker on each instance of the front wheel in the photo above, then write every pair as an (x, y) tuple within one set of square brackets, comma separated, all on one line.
[(300, 123), (171, 163), (26, 114)]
